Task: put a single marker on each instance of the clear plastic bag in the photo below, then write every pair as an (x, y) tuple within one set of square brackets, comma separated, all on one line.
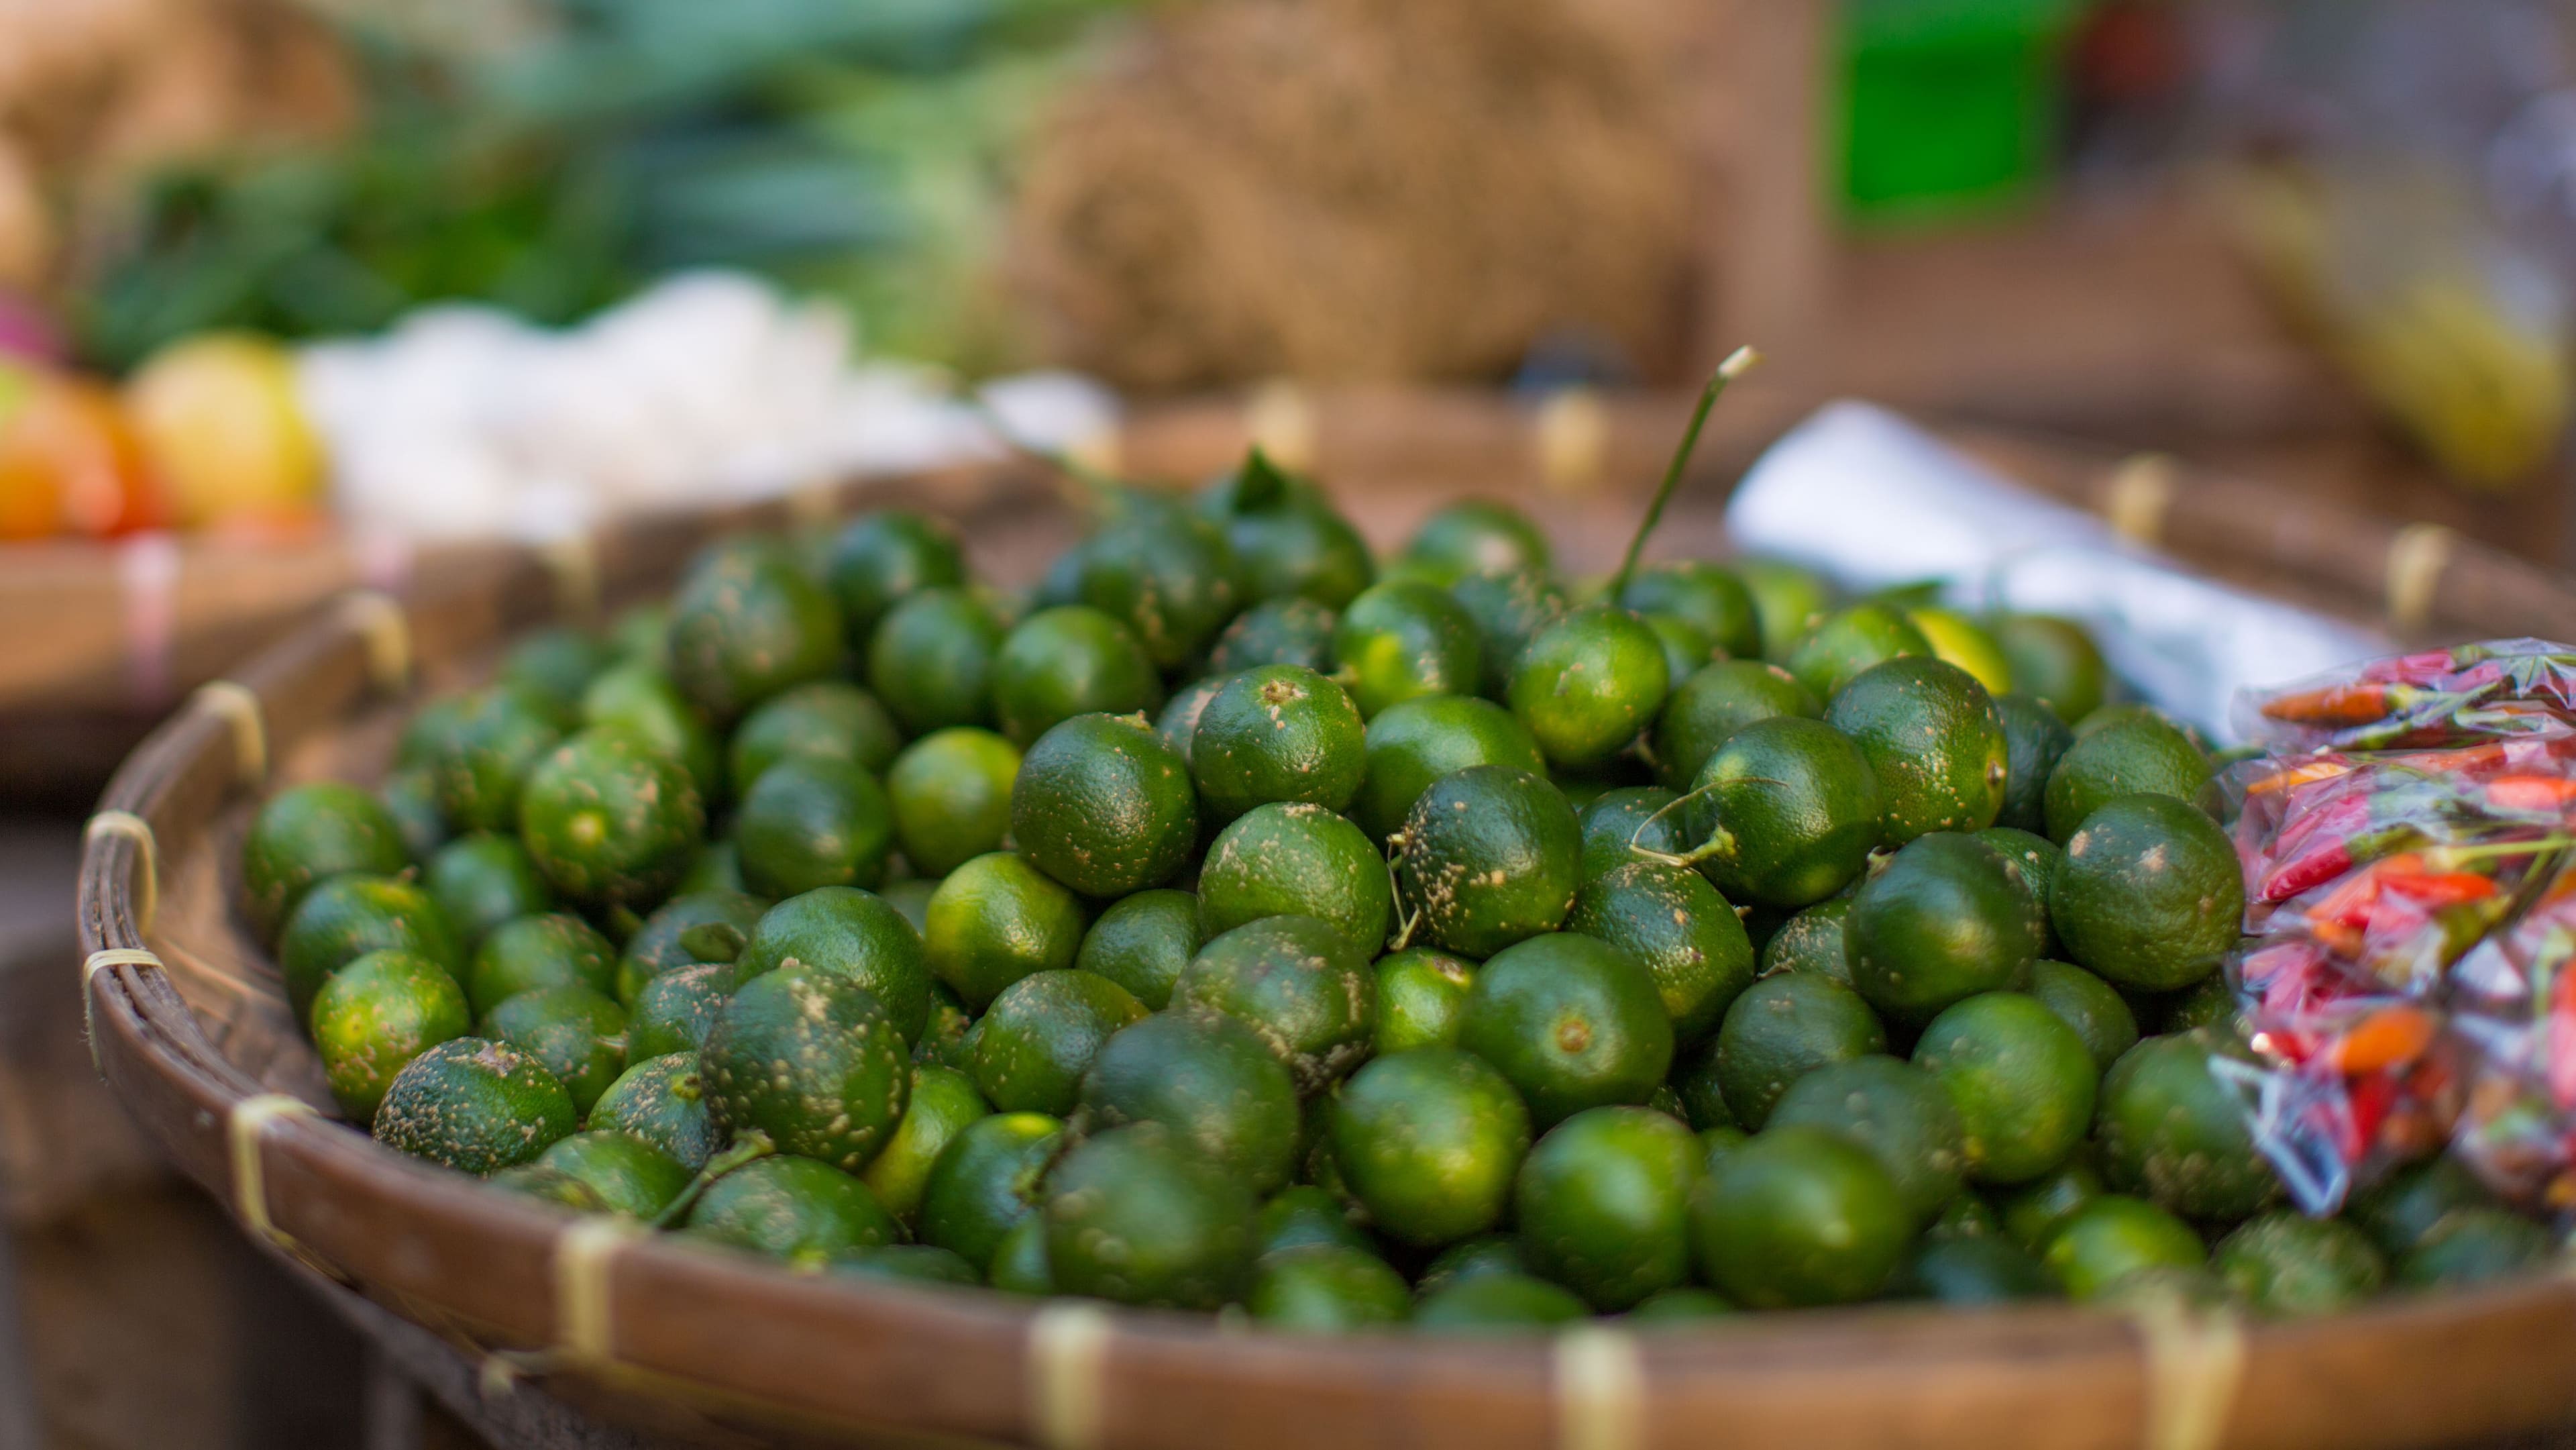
[(2498, 690)]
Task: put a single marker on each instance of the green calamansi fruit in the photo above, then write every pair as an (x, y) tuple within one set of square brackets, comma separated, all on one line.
[(626, 1175), (306, 835), (2115, 1238), (555, 666), (347, 917), (2176, 1131), (2292, 1266), (498, 737), (2088, 1004), (663, 1103), (1277, 733), (1788, 599), (1296, 860), (1326, 1289), (1298, 983), (1497, 1304), (1068, 661), (848, 933), (1135, 1217), (825, 720), (1429, 1141), (1168, 576), (1104, 806), (1178, 724), (1572, 1022), (482, 880), (1305, 1215), (1780, 1029), (1142, 942), (2138, 754), (656, 947), (1785, 813), (374, 1016), (2023, 1081), (1589, 685), (553, 950), (810, 822), (986, 1183), (577, 1033), (1934, 739), (1020, 1263), (795, 1210), (1489, 855), (2034, 740), (2054, 661), (1674, 923), (1813, 940), (1798, 1217), (1946, 918), (1478, 536), (811, 1060), (882, 558), (1405, 638), (1290, 631), (1211, 1081), (1844, 644), (995, 920), (932, 659), (943, 1104), (1510, 610), (1961, 641), (1687, 647), (1896, 1111), (1619, 824), (1421, 999), (1705, 595), (410, 798), (1415, 742), (1484, 1256), (1031, 1049), (1603, 1204), (475, 1106), (641, 700), (905, 1264), (1288, 542), (951, 794), (745, 627), (610, 821), (1713, 702), (2150, 895), (674, 1010)]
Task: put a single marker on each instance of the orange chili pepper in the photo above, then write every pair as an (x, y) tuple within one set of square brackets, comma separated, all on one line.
[(2333, 705), (2390, 1037), (2530, 792)]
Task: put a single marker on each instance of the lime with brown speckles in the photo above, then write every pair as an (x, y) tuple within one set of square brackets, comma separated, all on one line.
[(1704, 594), (1429, 1142), (1104, 806), (662, 1102), (1134, 1217), (1296, 860), (1785, 813), (1589, 685), (1602, 1204), (474, 1106), (553, 950), (1673, 922), (556, 665), (1415, 742), (609, 820), (1843, 644), (1276, 632), (1478, 536), (1813, 941), (2115, 1237), (2174, 1131), (655, 948), (1943, 919), (886, 556), (823, 720), (306, 835), (811, 1059), (1897, 1112), (795, 1210), (2290, 1266), (1142, 942), (674, 1010), (642, 632), (1033, 1045), (424, 735), (1209, 1079), (1178, 724), (2037, 856), (2474, 1246), (578, 1033), (1489, 855), (483, 761), (1798, 1217), (2031, 1212), (810, 823), (627, 1175), (2150, 895), (848, 933), (944, 1104), (1961, 641), (1304, 1215), (1066, 662), (2400, 1209), (410, 798), (931, 660), (1780, 1029), (1403, 638), (641, 699), (1572, 1022), (2034, 740), (2023, 1081), (2143, 754), (1617, 823), (1168, 576), (374, 1016), (347, 917), (1711, 703), (1934, 740), (2054, 661), (483, 880), (1510, 610), (1420, 996), (1298, 983), (1277, 733), (1327, 1289), (2089, 1005), (995, 920), (745, 627), (986, 1182), (1298, 546)]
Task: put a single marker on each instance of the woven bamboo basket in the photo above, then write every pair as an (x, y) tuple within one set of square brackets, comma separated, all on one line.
[(190, 1030)]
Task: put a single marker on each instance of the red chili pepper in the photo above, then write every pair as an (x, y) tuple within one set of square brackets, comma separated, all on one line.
[(2561, 1041), (2345, 705), (2531, 793)]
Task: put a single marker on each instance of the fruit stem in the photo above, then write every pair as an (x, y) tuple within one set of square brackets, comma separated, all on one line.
[(1736, 365), (754, 1145)]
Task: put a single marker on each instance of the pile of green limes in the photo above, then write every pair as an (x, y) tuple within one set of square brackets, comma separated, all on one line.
[(1238, 920)]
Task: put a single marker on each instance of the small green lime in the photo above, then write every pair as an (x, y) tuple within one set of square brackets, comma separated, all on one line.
[(347, 917), (1713, 702), (1602, 1204), (663, 1103), (995, 920), (1142, 942), (556, 665), (2175, 1131), (2150, 895), (2088, 1004), (1429, 1142), (374, 1016), (2114, 1237), (1421, 994), (482, 880), (1135, 1217), (1277, 733), (1977, 1272), (1704, 594), (1945, 918), (1209, 1079), (655, 948), (1488, 856), (1571, 1021), (1292, 544), (1287, 631), (2023, 1081), (1032, 1047), (628, 1176), (609, 820), (943, 1105), (1589, 685), (1480, 1257), (474, 1106), (1068, 661), (674, 1010), (810, 1059), (1166, 575), (1104, 806), (1178, 724), (1788, 600), (1780, 1029), (808, 823), (1417, 741), (1510, 610), (827, 720), (578, 1033), (1020, 1262), (848, 933), (1961, 641), (2032, 1212), (2139, 755), (1934, 739), (1305, 1215), (2400, 1209), (1843, 644), (1298, 983), (643, 701), (1687, 647), (905, 1264), (910, 898), (1296, 860), (1478, 536), (1897, 1112), (497, 738), (1497, 1304), (886, 556), (1673, 922), (746, 627), (1327, 1289), (2054, 661), (2034, 740), (985, 1183), (795, 1210), (409, 797), (932, 657), (1798, 1217), (1618, 823), (2292, 1266), (1404, 638), (1814, 941), (1787, 811), (951, 795)]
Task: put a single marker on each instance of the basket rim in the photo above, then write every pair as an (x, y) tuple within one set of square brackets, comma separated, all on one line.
[(1078, 1374)]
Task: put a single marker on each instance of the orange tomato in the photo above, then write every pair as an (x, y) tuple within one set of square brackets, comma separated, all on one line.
[(220, 422), (68, 461)]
